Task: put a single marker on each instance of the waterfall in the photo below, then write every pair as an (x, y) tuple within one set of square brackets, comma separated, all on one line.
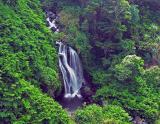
[(71, 70), (69, 63)]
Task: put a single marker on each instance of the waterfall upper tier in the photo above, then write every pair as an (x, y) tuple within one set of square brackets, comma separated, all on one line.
[(52, 19), (71, 69)]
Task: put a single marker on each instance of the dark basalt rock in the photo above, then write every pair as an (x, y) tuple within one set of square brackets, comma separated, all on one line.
[(53, 29), (52, 18), (51, 15), (87, 94), (86, 91)]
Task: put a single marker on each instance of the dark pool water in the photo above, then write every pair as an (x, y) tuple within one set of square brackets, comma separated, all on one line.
[(70, 104)]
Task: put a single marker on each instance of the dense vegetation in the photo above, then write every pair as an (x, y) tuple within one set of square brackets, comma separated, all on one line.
[(109, 114), (118, 41), (119, 44), (28, 62)]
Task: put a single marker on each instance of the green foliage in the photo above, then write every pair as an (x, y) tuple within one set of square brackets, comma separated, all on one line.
[(135, 14), (109, 34), (27, 45), (106, 34), (99, 76), (117, 113), (89, 115), (129, 68), (132, 88), (23, 103), (128, 46), (113, 29), (144, 103), (109, 114), (28, 55), (152, 76), (78, 39)]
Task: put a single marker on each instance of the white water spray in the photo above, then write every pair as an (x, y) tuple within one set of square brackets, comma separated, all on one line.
[(52, 24), (71, 70)]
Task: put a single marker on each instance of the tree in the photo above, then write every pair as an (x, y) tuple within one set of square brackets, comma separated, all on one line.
[(129, 68)]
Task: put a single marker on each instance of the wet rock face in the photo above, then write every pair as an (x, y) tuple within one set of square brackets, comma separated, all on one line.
[(86, 91), (51, 15), (87, 94), (53, 29)]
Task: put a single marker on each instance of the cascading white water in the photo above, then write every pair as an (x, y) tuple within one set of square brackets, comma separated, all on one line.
[(69, 63), (52, 22), (71, 70)]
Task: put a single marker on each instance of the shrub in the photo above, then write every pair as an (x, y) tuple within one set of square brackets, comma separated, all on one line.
[(109, 114), (91, 114), (134, 88), (117, 113), (23, 103)]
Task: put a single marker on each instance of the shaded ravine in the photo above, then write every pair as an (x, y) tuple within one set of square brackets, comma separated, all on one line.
[(72, 74)]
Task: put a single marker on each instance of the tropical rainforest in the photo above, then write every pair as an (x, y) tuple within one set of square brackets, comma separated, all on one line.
[(118, 42)]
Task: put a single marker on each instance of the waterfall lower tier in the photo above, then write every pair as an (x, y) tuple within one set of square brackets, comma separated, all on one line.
[(71, 70)]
